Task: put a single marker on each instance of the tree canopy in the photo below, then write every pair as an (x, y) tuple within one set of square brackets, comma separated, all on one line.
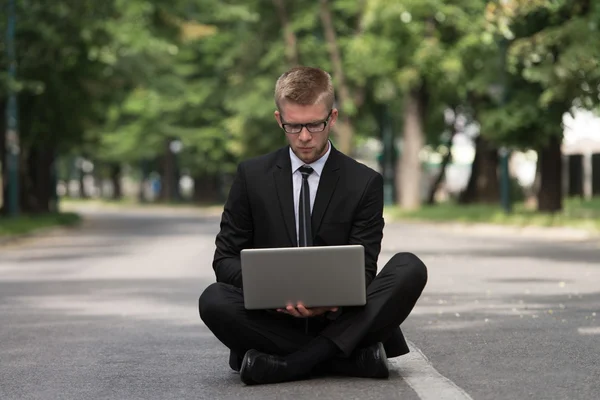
[(120, 81)]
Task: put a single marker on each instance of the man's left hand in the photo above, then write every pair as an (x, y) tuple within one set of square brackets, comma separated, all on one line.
[(302, 312)]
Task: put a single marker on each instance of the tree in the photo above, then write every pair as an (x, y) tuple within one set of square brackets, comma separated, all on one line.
[(554, 52), (289, 36), (59, 90), (344, 129), (421, 63)]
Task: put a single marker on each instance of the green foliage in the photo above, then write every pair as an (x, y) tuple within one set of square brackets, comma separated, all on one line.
[(552, 64), (118, 80), (59, 83), (211, 88), (405, 45)]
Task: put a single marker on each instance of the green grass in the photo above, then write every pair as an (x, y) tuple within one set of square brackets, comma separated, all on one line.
[(73, 205), (133, 202), (125, 201), (29, 223), (577, 214)]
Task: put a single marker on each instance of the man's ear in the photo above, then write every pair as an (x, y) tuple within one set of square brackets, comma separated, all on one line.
[(333, 118), (278, 118)]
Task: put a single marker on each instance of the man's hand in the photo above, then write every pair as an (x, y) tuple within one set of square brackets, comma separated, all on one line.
[(302, 312)]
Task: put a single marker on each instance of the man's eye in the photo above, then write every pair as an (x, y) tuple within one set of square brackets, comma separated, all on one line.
[(315, 125)]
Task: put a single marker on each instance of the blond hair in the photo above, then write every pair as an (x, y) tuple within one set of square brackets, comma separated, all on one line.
[(305, 86)]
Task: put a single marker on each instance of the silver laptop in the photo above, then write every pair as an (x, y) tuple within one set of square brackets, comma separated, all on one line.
[(315, 276)]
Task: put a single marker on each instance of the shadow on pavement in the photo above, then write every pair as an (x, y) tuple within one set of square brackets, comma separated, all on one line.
[(476, 340)]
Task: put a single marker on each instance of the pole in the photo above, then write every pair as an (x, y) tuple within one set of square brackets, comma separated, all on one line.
[(12, 133)]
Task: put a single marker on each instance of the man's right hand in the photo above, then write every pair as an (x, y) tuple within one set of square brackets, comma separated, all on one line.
[(302, 312)]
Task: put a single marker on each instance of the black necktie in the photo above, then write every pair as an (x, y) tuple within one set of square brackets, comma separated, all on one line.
[(305, 231)]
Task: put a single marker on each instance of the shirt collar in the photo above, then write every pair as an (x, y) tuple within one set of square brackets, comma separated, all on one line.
[(317, 166)]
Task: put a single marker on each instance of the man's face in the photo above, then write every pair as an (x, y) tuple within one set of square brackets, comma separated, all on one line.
[(308, 142)]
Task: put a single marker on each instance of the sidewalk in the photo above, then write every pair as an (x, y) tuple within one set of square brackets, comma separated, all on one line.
[(532, 232)]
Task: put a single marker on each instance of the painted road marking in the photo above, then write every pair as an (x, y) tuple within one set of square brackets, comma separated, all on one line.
[(593, 330), (424, 379)]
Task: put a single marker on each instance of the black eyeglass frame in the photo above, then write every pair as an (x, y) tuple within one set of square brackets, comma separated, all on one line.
[(302, 126)]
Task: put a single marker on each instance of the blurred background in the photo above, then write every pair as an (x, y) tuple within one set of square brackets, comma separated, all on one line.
[(472, 110)]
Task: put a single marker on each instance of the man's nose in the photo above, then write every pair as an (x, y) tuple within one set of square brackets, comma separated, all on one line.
[(304, 134)]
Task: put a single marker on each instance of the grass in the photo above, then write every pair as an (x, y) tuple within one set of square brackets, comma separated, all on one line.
[(133, 202), (29, 223), (576, 214)]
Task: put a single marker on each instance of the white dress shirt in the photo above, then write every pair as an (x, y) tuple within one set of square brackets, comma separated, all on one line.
[(313, 181)]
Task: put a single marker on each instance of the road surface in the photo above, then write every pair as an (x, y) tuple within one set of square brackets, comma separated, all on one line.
[(109, 311)]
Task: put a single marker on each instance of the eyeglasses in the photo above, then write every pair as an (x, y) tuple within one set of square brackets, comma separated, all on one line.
[(312, 127)]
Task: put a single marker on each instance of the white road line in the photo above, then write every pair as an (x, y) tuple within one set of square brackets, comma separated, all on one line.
[(424, 379), (592, 330)]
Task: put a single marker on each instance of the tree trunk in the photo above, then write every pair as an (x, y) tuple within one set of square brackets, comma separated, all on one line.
[(550, 193), (143, 180), (4, 176), (44, 179), (442, 173), (413, 139), (169, 189), (531, 192), (54, 205), (70, 176), (575, 177), (115, 178), (360, 94), (206, 189), (83, 193), (142, 191), (484, 184), (98, 179), (37, 181), (289, 37), (344, 130)]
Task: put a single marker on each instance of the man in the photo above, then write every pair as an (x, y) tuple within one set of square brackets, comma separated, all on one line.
[(267, 200)]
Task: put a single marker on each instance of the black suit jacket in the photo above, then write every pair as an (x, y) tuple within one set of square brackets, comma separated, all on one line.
[(259, 213)]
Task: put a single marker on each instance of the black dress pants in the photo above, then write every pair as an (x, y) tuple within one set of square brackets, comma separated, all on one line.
[(391, 297)]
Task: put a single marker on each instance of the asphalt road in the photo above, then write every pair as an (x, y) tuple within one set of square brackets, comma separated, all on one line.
[(109, 311)]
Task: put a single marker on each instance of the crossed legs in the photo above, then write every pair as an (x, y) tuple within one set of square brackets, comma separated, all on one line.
[(222, 310), (391, 297)]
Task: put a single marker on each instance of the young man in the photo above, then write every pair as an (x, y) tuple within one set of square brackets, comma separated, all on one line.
[(344, 199)]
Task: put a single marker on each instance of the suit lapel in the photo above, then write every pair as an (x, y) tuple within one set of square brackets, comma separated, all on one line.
[(327, 184), (283, 183)]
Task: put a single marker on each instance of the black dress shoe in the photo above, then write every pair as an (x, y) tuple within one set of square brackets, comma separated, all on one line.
[(368, 362), (260, 368), (235, 361)]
